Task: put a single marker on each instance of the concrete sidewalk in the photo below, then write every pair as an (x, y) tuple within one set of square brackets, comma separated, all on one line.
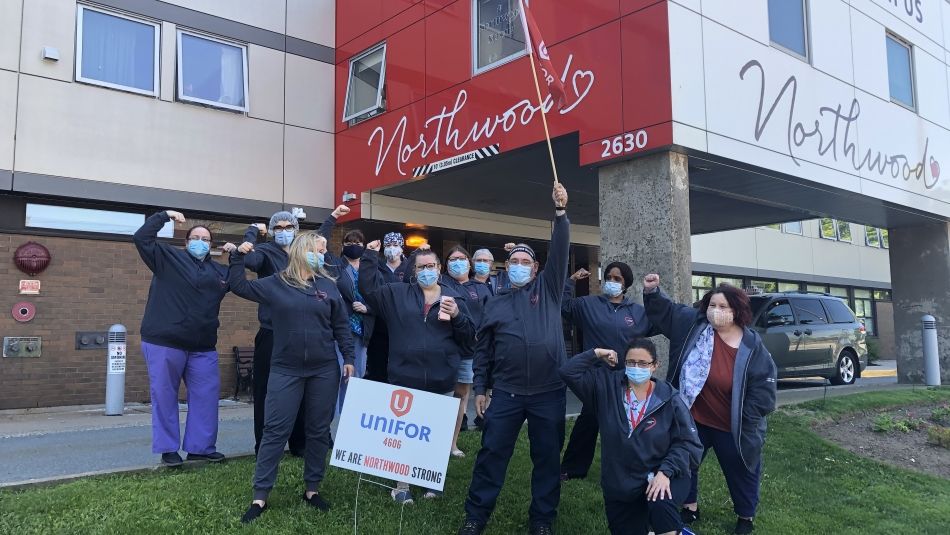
[(56, 444)]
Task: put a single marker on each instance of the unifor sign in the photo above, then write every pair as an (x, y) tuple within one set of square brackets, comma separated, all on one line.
[(831, 131)]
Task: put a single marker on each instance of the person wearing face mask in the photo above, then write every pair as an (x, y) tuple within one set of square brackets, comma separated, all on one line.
[(608, 321), (649, 444), (179, 335), (429, 328), (266, 259), (394, 269), (308, 315), (518, 351), (458, 269), (727, 378), (362, 320)]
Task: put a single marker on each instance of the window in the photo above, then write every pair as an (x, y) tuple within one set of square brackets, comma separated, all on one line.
[(117, 51), (765, 286), (794, 227), (732, 281), (827, 228), (864, 308), (809, 311), (212, 72), (498, 36), (788, 286), (885, 240), (787, 26), (838, 291), (882, 295), (87, 220), (838, 311), (701, 285), (844, 231), (820, 288), (775, 226), (778, 314), (364, 91), (872, 237), (900, 71)]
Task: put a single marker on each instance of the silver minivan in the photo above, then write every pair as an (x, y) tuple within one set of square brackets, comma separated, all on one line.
[(811, 334)]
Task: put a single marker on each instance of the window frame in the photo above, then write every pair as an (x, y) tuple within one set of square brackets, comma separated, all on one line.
[(834, 227), (476, 70), (801, 228), (156, 26), (868, 231), (378, 108), (179, 73), (913, 70), (798, 317), (807, 35)]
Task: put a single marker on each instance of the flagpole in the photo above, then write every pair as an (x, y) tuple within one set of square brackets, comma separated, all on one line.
[(537, 88)]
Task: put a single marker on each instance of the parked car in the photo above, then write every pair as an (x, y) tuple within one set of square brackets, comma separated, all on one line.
[(811, 334)]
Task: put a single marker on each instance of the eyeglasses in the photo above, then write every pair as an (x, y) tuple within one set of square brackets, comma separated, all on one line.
[(284, 227), (527, 262), (427, 266), (205, 239), (638, 363)]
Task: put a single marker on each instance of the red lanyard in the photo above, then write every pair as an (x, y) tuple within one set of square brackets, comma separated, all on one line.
[(635, 418)]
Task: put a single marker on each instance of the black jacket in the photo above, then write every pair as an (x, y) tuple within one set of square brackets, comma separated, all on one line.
[(605, 324), (308, 323), (754, 387), (475, 293), (521, 340), (424, 353), (266, 259), (665, 439), (185, 296), (336, 266)]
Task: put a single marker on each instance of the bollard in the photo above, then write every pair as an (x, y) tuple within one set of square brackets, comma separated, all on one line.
[(931, 356), (115, 371)]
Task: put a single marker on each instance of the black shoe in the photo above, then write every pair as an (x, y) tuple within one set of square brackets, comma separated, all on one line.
[(172, 459), (744, 526), (214, 457), (688, 516), (317, 501), (296, 453), (566, 476), (464, 426), (252, 513), (541, 529), (472, 527)]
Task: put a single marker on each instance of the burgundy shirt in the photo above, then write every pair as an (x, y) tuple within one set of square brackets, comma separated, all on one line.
[(713, 405)]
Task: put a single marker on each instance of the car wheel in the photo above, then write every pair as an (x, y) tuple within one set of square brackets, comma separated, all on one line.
[(845, 370)]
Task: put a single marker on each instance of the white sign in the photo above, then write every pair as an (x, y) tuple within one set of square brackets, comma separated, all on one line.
[(395, 433), (116, 359)]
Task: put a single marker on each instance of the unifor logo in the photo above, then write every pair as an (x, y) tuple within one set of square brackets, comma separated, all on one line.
[(401, 403)]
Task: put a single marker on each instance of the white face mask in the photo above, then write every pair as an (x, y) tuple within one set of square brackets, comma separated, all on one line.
[(719, 318), (392, 252)]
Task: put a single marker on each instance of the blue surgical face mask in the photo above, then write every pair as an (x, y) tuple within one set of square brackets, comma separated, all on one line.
[(198, 248), (392, 252), (284, 237), (612, 289), (519, 275), (482, 268), (458, 268), (638, 376), (314, 260), (427, 277)]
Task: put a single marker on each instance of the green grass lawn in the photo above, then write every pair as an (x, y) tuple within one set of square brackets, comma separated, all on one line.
[(809, 486)]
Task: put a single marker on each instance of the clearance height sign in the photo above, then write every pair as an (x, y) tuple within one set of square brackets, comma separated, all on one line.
[(395, 433)]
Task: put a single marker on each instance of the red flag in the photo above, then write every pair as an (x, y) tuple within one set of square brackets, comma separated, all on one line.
[(539, 50)]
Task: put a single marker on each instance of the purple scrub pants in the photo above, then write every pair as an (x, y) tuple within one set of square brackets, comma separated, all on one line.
[(166, 369)]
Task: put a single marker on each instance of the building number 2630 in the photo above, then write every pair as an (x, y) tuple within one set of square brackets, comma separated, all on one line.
[(624, 143)]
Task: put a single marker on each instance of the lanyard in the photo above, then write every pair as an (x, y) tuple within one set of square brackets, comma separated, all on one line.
[(635, 418)]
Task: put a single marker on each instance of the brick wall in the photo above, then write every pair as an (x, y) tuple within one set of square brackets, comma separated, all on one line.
[(89, 286)]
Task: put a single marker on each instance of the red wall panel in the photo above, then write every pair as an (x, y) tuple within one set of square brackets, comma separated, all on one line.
[(448, 47)]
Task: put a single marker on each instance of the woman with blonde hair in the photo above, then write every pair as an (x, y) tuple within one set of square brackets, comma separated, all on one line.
[(309, 317)]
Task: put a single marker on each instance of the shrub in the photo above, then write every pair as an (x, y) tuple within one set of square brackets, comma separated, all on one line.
[(885, 423), (939, 436), (941, 415), (874, 349)]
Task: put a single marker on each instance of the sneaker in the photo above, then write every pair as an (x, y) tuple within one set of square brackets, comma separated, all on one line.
[(402, 496), (172, 459), (689, 516), (472, 527), (744, 526), (214, 457), (252, 513), (432, 494), (317, 501), (458, 454), (541, 529)]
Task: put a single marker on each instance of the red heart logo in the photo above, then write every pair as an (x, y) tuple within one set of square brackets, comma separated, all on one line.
[(934, 167)]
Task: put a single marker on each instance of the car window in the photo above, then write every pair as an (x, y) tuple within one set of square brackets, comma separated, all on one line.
[(838, 311), (809, 311), (778, 313)]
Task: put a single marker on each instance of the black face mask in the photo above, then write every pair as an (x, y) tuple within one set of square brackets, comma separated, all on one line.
[(353, 251)]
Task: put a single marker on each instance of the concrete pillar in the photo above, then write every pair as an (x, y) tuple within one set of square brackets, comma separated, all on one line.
[(644, 221), (920, 284)]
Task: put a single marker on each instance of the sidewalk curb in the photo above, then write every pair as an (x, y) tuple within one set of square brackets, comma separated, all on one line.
[(58, 480)]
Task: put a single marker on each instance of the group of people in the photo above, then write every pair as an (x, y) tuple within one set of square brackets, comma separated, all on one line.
[(452, 328)]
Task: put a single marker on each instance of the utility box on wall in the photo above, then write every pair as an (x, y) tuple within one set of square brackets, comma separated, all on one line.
[(22, 346)]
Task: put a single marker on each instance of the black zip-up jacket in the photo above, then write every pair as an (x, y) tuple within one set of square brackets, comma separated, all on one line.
[(336, 266), (605, 324), (266, 259), (520, 343), (185, 296), (424, 353), (475, 293), (307, 323), (665, 439), (753, 383)]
